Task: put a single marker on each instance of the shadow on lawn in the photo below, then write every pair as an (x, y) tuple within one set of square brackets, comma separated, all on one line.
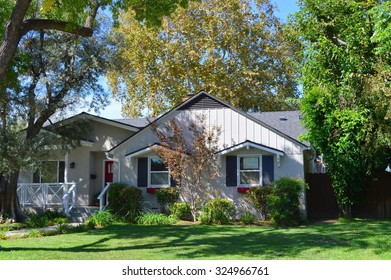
[(203, 242)]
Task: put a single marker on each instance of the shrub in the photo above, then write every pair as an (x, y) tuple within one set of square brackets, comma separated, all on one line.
[(247, 218), (181, 210), (125, 201), (259, 197), (36, 221), (284, 201), (218, 211), (100, 219), (152, 218), (166, 197)]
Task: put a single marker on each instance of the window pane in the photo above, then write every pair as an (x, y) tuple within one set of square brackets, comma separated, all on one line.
[(61, 171), (249, 163), (159, 178), (249, 178), (157, 165), (49, 172)]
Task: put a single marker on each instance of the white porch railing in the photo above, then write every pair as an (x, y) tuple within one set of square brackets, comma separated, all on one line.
[(47, 194), (104, 198)]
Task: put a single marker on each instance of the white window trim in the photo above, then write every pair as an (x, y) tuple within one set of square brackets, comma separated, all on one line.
[(239, 170), (150, 173)]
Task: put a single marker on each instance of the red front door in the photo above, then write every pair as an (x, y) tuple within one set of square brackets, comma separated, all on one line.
[(108, 171)]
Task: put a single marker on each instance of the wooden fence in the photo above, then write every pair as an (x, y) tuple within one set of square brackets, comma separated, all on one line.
[(375, 201)]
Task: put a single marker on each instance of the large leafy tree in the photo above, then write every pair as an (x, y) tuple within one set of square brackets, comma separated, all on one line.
[(235, 49), (45, 67), (346, 86)]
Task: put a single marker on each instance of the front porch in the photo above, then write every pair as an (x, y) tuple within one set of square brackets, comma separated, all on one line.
[(48, 195)]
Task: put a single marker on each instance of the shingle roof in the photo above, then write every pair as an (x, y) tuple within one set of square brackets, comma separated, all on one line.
[(140, 123), (288, 122)]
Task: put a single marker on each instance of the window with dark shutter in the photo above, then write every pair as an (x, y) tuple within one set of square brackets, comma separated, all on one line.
[(142, 172), (231, 171), (267, 170)]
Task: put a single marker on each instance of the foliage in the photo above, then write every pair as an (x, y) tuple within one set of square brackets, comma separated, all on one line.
[(48, 218), (218, 211), (125, 201), (180, 210), (247, 218), (189, 151), (258, 197), (166, 197), (284, 201), (101, 219), (152, 218), (234, 49), (346, 84), (46, 68)]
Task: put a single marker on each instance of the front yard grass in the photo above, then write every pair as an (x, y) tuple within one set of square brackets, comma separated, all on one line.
[(351, 240)]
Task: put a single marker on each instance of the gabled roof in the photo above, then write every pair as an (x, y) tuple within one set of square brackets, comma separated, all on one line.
[(191, 103), (84, 115)]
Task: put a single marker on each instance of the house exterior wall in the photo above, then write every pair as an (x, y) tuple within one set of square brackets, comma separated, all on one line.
[(235, 129), (88, 160)]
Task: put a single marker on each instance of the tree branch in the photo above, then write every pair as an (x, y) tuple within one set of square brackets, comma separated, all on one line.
[(40, 24)]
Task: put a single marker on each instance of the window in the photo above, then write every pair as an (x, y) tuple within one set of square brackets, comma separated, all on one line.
[(158, 172), (249, 170), (51, 172)]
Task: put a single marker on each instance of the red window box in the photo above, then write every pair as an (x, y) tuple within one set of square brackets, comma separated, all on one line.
[(243, 189), (152, 190)]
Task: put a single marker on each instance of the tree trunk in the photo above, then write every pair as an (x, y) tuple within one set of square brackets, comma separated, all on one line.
[(9, 202), (12, 34), (347, 211)]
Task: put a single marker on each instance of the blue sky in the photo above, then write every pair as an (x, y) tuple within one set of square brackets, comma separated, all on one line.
[(284, 7)]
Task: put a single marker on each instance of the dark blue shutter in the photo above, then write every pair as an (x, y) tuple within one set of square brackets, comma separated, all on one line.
[(172, 182), (231, 169), (267, 170), (142, 172)]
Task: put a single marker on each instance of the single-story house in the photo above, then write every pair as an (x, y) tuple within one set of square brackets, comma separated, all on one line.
[(255, 149)]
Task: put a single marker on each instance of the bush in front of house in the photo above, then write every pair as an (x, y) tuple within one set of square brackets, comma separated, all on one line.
[(217, 211), (125, 201), (166, 197), (181, 210), (100, 219), (152, 218), (258, 196), (284, 201)]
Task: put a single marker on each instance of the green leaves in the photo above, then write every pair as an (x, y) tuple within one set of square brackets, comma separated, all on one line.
[(233, 49), (346, 88)]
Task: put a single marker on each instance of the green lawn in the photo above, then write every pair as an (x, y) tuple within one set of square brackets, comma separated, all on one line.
[(348, 240)]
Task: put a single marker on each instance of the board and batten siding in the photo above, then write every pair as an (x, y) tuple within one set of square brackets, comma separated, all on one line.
[(237, 128)]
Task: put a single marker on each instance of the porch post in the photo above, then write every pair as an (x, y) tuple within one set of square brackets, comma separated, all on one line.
[(65, 186), (66, 168)]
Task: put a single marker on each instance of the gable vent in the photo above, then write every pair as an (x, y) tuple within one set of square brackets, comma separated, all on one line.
[(203, 102)]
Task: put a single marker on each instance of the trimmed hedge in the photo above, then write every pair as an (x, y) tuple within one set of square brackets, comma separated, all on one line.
[(166, 197), (181, 210), (258, 197), (218, 211), (284, 201), (125, 201)]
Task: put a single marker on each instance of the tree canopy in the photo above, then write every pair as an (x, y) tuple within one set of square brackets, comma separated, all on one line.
[(346, 84), (48, 63), (235, 49)]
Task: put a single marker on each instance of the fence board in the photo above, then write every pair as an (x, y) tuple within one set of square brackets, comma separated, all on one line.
[(375, 200)]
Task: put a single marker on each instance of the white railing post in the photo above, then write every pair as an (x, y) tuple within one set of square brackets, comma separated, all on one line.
[(103, 206), (65, 199)]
